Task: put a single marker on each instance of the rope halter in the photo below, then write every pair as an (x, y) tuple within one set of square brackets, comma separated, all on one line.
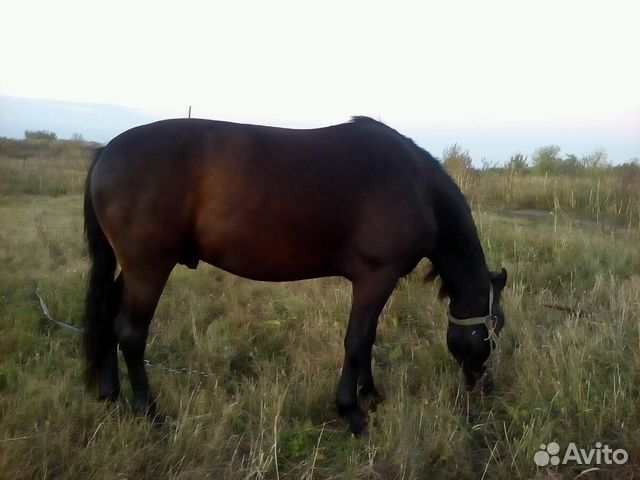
[(490, 321)]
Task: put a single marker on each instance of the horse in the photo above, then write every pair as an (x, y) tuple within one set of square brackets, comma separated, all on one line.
[(357, 200)]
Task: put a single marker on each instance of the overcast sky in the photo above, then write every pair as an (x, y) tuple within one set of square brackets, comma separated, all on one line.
[(496, 75)]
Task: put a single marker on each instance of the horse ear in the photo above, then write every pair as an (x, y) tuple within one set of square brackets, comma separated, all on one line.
[(499, 279)]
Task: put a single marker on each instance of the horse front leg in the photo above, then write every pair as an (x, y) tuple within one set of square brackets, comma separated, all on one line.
[(367, 387), (370, 293)]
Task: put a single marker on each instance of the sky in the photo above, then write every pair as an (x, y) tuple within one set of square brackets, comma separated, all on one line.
[(497, 77)]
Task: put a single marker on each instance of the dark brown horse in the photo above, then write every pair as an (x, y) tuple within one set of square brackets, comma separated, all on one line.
[(356, 200)]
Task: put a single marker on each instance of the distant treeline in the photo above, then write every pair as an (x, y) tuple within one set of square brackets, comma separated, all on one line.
[(590, 185), (45, 144), (545, 160)]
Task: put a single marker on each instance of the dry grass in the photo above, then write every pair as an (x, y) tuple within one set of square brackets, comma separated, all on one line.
[(272, 355), (605, 195)]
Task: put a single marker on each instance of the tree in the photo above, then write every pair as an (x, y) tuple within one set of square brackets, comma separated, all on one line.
[(517, 163), (547, 159), (597, 159), (570, 164), (39, 135)]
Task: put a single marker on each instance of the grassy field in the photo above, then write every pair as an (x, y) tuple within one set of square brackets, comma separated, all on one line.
[(262, 360)]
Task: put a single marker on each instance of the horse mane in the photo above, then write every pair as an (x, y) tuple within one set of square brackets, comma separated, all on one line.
[(364, 120)]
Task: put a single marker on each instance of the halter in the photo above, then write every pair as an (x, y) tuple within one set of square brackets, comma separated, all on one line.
[(490, 321)]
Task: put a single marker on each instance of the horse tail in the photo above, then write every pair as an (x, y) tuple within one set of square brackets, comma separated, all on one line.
[(99, 314)]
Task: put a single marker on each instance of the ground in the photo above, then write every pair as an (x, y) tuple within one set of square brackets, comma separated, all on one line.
[(262, 360)]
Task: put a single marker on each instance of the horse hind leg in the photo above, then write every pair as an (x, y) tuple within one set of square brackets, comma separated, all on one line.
[(109, 378), (141, 292)]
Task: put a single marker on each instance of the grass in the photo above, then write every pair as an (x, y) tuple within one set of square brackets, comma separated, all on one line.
[(270, 355), (607, 195)]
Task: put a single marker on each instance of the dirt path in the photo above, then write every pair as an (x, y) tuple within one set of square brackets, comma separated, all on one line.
[(604, 225)]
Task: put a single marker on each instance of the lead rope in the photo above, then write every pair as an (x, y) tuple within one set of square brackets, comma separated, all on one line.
[(491, 322)]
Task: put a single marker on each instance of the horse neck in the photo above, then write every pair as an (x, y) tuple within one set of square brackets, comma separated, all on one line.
[(466, 281), (460, 261)]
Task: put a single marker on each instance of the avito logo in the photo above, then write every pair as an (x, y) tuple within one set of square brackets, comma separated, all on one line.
[(600, 455)]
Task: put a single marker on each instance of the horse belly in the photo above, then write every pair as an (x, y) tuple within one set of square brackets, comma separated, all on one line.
[(270, 262), (260, 250)]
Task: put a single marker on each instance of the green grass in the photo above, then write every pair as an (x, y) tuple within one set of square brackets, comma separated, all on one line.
[(272, 355)]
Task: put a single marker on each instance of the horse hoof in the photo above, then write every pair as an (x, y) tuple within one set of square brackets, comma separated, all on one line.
[(145, 407), (377, 398), (158, 419), (358, 422), (372, 400), (486, 383), (109, 396)]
